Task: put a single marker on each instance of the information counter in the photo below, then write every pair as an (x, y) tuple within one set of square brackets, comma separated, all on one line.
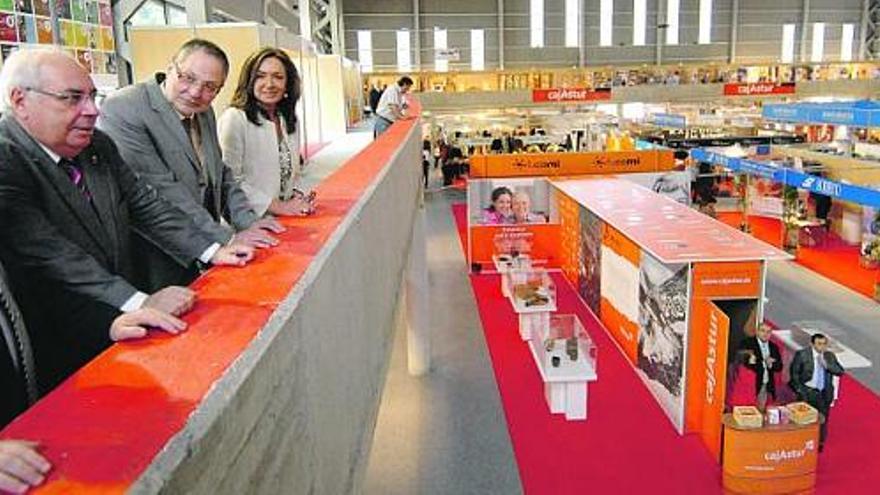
[(771, 459)]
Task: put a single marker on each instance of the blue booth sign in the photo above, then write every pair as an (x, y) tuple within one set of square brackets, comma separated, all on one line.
[(856, 114), (790, 177), (669, 120)]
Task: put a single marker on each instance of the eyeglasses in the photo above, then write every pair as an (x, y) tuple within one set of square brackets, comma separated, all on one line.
[(189, 80), (71, 98)]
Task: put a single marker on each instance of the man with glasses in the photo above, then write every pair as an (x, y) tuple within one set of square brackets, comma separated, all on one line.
[(166, 130), (68, 206)]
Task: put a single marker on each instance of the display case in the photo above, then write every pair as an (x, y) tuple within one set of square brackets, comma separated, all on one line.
[(532, 293), (566, 358), (505, 263)]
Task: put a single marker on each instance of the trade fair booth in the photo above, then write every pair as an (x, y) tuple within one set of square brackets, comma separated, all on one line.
[(854, 266)]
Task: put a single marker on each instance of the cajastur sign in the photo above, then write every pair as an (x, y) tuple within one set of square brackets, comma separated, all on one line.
[(569, 95), (752, 89)]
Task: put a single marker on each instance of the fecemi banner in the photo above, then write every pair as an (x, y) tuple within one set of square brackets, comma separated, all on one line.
[(565, 164), (568, 95)]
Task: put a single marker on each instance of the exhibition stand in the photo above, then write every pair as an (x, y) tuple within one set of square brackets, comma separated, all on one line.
[(626, 429), (275, 385), (816, 248)]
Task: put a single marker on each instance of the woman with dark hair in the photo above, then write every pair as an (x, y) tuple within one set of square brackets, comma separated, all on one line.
[(259, 138), (501, 209)]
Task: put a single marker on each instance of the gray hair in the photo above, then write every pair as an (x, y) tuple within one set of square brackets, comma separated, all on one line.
[(23, 69)]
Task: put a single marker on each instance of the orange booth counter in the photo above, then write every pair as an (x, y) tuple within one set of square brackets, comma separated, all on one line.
[(771, 459)]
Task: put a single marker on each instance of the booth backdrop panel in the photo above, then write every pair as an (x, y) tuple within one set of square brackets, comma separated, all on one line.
[(590, 259), (564, 164), (619, 289), (708, 347), (663, 297), (569, 237), (674, 185), (543, 240), (537, 189)]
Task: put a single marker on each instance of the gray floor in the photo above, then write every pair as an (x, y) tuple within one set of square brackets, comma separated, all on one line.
[(445, 432), (796, 293)]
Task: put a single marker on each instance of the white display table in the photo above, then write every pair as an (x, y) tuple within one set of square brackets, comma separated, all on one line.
[(565, 379), (534, 316)]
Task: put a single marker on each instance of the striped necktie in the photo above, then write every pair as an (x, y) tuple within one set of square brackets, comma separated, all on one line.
[(75, 174)]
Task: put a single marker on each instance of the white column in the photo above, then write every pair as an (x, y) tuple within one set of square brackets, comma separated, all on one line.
[(418, 320), (501, 34), (417, 32), (198, 11)]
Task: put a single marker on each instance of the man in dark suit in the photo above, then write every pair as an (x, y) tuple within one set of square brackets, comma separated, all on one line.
[(68, 204), (811, 373), (166, 130), (763, 357)]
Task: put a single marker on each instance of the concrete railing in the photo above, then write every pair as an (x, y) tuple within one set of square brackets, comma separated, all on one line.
[(275, 387), (647, 93)]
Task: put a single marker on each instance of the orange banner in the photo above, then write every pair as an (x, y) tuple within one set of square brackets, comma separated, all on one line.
[(540, 241), (568, 164), (569, 237), (625, 332), (621, 244), (707, 376), (727, 280)]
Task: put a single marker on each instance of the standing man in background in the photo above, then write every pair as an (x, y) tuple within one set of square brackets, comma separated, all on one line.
[(391, 105), (166, 130)]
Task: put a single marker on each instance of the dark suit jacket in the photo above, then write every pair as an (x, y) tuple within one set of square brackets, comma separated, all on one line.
[(69, 259), (18, 386), (152, 140), (751, 344), (801, 371)]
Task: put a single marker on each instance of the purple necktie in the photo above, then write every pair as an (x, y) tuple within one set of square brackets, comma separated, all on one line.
[(75, 173)]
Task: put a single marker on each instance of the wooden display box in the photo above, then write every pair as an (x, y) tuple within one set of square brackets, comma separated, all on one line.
[(748, 416), (802, 413)]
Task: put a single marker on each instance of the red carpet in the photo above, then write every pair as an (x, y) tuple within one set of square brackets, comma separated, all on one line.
[(835, 259), (627, 445)]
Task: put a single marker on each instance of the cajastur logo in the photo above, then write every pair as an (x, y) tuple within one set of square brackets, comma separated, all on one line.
[(567, 94), (780, 455)]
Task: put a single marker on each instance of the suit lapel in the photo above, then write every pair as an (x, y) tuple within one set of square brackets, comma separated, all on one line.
[(101, 191), (171, 119), (66, 191)]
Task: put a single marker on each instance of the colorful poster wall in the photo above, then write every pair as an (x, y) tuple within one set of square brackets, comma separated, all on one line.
[(663, 308), (83, 27)]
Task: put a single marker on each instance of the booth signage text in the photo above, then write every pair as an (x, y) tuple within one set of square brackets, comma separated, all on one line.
[(669, 120), (750, 89), (790, 177), (566, 95)]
